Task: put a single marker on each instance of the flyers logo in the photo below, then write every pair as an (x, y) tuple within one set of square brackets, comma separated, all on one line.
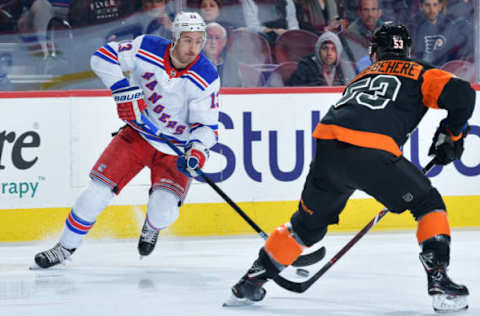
[(434, 42)]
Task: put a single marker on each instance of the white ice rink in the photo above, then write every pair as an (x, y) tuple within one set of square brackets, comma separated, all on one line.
[(381, 275)]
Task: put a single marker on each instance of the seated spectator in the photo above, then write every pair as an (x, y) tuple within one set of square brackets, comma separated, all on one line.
[(228, 13), (159, 22), (210, 12), (356, 38), (323, 68), (438, 39), (215, 51), (270, 18), (318, 16), (37, 16), (10, 11)]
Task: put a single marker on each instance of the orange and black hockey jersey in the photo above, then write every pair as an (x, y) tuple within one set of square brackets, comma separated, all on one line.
[(386, 102)]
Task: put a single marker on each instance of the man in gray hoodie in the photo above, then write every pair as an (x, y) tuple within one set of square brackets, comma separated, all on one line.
[(323, 68)]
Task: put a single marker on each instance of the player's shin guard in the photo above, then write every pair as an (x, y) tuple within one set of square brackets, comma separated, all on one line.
[(281, 249), (447, 296)]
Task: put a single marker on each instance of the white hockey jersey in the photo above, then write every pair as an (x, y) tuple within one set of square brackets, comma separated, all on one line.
[(182, 104)]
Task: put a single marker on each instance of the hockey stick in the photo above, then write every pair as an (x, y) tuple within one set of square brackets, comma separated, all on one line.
[(302, 261), (300, 287)]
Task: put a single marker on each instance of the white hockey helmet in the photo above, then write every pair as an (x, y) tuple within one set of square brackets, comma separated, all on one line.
[(188, 22)]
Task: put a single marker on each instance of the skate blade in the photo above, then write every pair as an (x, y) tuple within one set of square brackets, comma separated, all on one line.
[(234, 301), (443, 303), (61, 266)]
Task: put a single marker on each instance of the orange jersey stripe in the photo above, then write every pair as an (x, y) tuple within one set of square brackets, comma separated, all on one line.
[(434, 80), (357, 138), (431, 225)]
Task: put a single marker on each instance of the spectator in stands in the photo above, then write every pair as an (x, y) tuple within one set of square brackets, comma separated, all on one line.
[(438, 39), (356, 38), (323, 68), (10, 11), (37, 16), (227, 66), (210, 10), (270, 18), (229, 13), (159, 20), (318, 16)]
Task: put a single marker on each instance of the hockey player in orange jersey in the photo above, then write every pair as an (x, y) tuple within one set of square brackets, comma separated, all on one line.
[(358, 148)]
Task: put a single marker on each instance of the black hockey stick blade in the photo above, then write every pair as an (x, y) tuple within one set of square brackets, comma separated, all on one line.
[(310, 258), (300, 287)]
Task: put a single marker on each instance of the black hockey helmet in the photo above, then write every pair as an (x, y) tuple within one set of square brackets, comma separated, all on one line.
[(390, 40)]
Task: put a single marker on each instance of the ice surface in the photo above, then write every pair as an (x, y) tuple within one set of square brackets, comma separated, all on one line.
[(381, 275)]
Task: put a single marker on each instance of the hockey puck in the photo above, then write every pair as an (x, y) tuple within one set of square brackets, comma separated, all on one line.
[(302, 272)]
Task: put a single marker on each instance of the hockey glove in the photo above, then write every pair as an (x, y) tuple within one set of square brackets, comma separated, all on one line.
[(130, 103), (447, 147), (195, 156)]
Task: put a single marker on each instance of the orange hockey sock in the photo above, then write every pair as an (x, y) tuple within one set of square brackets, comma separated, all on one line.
[(431, 225), (282, 247)]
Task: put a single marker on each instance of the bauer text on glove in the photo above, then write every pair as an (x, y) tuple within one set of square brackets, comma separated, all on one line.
[(130, 103)]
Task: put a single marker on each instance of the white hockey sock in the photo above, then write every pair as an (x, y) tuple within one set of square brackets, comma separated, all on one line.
[(91, 202)]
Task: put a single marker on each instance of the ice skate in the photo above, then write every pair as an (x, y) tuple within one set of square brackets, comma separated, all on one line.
[(250, 287), (148, 239), (447, 296), (52, 257)]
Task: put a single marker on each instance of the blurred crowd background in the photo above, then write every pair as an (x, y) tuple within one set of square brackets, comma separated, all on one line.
[(46, 44)]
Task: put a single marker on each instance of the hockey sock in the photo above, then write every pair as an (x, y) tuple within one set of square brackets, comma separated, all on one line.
[(74, 230), (91, 202), (282, 246), (432, 224)]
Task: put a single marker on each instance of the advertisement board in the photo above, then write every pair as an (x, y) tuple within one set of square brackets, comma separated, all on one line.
[(48, 145)]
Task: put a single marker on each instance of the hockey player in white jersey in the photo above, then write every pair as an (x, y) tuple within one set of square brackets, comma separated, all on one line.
[(177, 88)]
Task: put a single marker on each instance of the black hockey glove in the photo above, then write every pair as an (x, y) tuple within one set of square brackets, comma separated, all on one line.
[(447, 147)]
